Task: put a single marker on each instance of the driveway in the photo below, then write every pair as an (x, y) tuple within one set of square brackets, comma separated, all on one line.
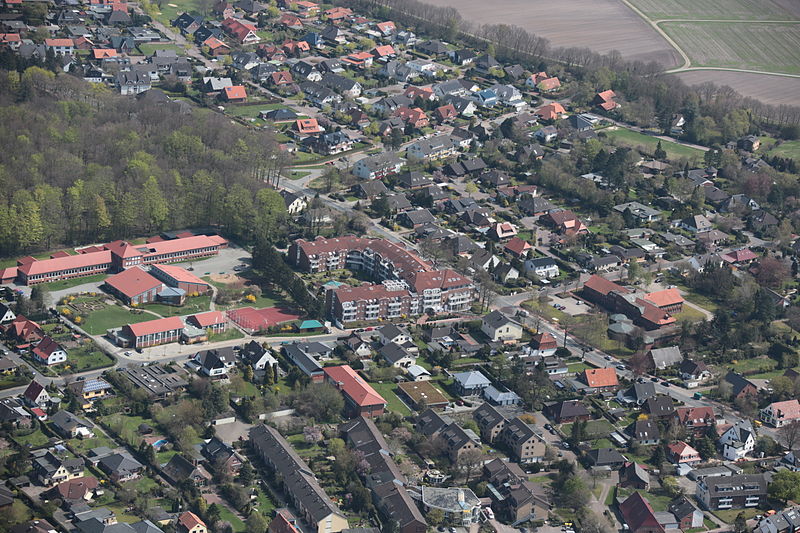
[(230, 433)]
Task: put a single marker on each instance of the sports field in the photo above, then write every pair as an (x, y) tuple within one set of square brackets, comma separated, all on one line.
[(757, 46), (716, 9)]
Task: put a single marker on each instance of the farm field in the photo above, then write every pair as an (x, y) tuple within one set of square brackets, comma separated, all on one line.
[(775, 90), (714, 9), (602, 25), (755, 46)]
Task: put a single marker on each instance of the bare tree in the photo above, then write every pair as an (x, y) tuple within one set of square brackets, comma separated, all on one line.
[(469, 461), (789, 435)]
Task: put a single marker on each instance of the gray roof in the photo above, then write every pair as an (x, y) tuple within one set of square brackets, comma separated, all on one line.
[(298, 479), (66, 421), (393, 353), (471, 379), (498, 396), (665, 357), (429, 422), (450, 499), (605, 456), (120, 463)]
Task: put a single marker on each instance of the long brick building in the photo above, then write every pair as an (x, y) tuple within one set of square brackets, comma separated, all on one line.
[(406, 284), (115, 257)]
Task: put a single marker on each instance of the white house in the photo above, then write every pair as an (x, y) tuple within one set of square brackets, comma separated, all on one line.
[(215, 363), (49, 352), (737, 441), (6, 314), (397, 356), (543, 267), (395, 334), (294, 204), (779, 414), (498, 327)]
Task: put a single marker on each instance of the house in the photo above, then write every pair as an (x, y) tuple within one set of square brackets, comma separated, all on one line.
[(298, 481), (60, 47), (661, 358), (635, 476), (732, 492), (644, 432), (132, 82), (332, 143), (52, 469), (606, 457), (740, 386), (215, 363), (490, 422), (658, 407), (696, 224), (77, 490), (341, 84), (522, 442), (778, 414), (543, 267), (696, 419), (551, 112), (500, 328), (360, 398), (6, 314), (564, 222), (470, 383), (121, 467), (36, 394), (566, 412), (235, 94), (501, 396), (378, 166), (606, 100), (681, 453), (180, 470), (90, 390), (639, 516), (49, 352), (421, 395), (639, 211), (397, 356), (737, 441), (501, 231), (70, 426), (243, 33), (687, 515), (669, 300), (188, 522), (415, 218), (601, 379), (549, 85), (515, 499), (432, 148), (741, 257)]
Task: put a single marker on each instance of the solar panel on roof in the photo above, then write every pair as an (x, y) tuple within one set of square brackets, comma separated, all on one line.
[(95, 385)]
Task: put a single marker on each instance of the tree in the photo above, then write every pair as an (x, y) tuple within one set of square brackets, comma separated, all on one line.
[(256, 523), (785, 486), (435, 517), (213, 513), (740, 524), (312, 434), (789, 434), (154, 206), (471, 188), (772, 272), (660, 153), (247, 474), (658, 457), (469, 461), (671, 487), (320, 402)]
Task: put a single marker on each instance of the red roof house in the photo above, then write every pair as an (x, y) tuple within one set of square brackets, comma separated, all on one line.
[(242, 32), (696, 419), (565, 222), (681, 453), (215, 320), (308, 126), (336, 14), (384, 51), (549, 85), (24, 330), (360, 398), (639, 515), (188, 522), (446, 112), (49, 352), (600, 378), (216, 47), (134, 286), (291, 21), (282, 77), (518, 247), (669, 300), (552, 111), (104, 53), (235, 93), (740, 257), (779, 414), (416, 117), (606, 100)]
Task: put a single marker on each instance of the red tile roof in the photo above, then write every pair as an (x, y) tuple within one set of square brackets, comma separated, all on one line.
[(65, 263), (789, 410), (155, 326), (189, 520), (125, 249), (438, 279), (384, 50), (235, 92), (353, 385), (738, 256), (308, 125), (211, 318), (665, 298), (103, 53), (46, 347), (446, 111), (638, 514), (58, 42), (25, 329), (386, 26), (181, 275), (655, 315), (600, 377), (604, 286), (680, 448), (8, 273), (282, 77), (76, 489), (549, 84), (237, 28), (688, 415), (544, 341), (133, 282), (518, 246), (551, 111), (607, 96)]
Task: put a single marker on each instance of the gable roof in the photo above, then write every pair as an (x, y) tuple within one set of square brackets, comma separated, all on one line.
[(353, 385), (600, 377), (133, 282), (638, 514), (666, 297)]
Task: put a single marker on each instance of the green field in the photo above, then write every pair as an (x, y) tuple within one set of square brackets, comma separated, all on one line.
[(74, 282), (648, 143), (195, 304), (790, 149), (756, 46), (712, 9), (149, 49), (394, 404), (170, 9), (97, 322)]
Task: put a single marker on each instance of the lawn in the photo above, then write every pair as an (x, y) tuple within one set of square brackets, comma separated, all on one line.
[(226, 515), (74, 282), (758, 46), (87, 357), (251, 111), (84, 445), (196, 304), (756, 364), (577, 367), (170, 10), (149, 49), (143, 485), (120, 510), (546, 311), (393, 402), (231, 334), (729, 515), (11, 381), (97, 322), (689, 314), (33, 440), (790, 149), (647, 143), (298, 174)]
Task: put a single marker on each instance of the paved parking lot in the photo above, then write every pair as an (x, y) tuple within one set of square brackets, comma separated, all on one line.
[(572, 306)]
